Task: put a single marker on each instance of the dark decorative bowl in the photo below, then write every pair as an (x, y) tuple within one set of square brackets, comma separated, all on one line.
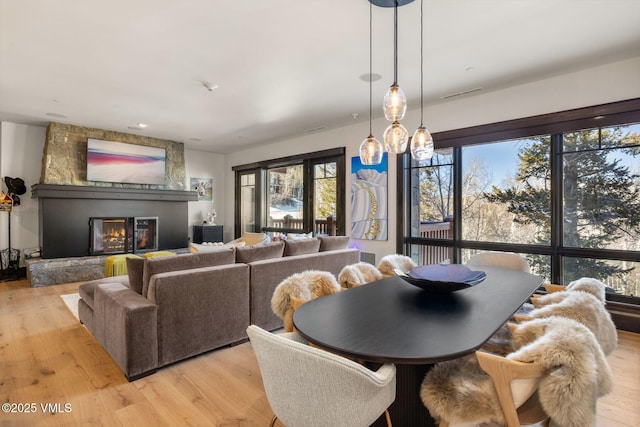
[(442, 278)]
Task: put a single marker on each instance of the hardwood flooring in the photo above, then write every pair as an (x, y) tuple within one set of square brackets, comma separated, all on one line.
[(52, 366)]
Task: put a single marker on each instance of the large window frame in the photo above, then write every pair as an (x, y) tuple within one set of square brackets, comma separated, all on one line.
[(554, 124), (308, 161)]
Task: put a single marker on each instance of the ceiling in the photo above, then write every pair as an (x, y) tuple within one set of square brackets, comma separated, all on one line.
[(283, 68)]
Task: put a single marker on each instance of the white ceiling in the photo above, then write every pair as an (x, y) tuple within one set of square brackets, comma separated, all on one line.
[(283, 67)]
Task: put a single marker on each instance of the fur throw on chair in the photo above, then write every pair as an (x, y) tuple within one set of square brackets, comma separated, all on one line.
[(578, 372), (389, 263), (299, 288), (583, 301), (459, 391), (358, 274)]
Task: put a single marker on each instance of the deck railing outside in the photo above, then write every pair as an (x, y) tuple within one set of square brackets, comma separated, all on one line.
[(435, 254), (288, 224)]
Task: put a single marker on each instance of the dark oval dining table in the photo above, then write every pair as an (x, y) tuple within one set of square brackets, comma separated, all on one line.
[(393, 321)]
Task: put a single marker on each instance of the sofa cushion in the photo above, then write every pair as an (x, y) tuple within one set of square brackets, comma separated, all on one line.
[(135, 268), (251, 239), (268, 250), (183, 262), (332, 243), (301, 247)]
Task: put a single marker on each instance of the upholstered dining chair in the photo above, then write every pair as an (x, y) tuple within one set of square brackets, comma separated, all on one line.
[(308, 387), (499, 259), (449, 397)]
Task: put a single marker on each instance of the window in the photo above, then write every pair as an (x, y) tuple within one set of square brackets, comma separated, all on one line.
[(285, 198), (302, 193), (563, 190)]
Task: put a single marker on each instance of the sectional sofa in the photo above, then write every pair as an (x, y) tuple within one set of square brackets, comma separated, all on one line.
[(167, 309)]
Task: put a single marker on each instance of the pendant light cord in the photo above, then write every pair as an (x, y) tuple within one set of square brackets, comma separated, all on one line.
[(421, 65), (395, 43), (370, 69)]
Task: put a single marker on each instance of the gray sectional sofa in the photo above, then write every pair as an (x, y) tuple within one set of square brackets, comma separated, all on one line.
[(167, 309)]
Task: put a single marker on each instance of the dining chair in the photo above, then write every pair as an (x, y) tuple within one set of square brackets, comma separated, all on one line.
[(308, 387), (462, 391), (358, 274), (499, 259), (390, 263)]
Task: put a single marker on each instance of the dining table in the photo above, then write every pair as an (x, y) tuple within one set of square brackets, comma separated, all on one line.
[(393, 321)]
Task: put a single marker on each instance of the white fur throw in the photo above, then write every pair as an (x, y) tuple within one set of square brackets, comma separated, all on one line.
[(358, 274), (299, 288), (583, 301), (390, 262), (578, 372), (459, 391)]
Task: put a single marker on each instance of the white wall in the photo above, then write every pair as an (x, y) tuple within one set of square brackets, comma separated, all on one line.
[(200, 164), (21, 156), (608, 83)]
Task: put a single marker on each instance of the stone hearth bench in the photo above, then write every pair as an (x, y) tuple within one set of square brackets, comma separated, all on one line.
[(46, 272)]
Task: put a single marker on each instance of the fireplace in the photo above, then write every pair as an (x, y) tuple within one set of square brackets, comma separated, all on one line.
[(65, 213), (123, 235)]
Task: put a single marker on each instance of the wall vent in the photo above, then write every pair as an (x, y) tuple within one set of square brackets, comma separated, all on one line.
[(319, 128), (464, 92)]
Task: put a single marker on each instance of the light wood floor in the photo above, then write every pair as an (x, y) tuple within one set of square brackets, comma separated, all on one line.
[(47, 357)]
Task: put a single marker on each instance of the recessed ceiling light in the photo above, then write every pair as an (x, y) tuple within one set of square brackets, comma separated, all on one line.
[(210, 86), (370, 77), (57, 115), (142, 125)]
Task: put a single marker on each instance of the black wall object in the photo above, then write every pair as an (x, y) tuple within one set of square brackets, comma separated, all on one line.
[(65, 211)]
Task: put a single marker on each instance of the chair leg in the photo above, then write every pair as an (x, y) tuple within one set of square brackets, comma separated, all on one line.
[(273, 421), (386, 414)]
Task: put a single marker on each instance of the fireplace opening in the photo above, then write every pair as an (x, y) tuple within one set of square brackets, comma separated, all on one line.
[(123, 235), (146, 231)]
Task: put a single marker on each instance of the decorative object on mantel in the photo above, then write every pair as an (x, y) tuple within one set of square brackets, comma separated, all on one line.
[(371, 149), (422, 142)]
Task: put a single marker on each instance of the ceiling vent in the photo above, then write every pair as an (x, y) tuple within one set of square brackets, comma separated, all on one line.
[(464, 92), (318, 129)]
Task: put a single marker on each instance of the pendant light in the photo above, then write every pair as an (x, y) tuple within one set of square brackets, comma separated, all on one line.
[(422, 142), (395, 137), (371, 150), (395, 101)]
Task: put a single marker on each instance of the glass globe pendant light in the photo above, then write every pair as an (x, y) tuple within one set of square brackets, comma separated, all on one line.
[(421, 142), (395, 101), (371, 150), (396, 138)]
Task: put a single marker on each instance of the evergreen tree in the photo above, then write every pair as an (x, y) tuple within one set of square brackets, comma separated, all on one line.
[(601, 196)]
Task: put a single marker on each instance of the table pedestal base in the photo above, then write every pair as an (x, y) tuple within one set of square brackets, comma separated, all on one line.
[(408, 409)]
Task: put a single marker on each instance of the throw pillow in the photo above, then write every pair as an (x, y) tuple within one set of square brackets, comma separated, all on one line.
[(198, 248), (251, 239), (135, 268), (332, 243), (301, 247), (268, 250), (300, 236)]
